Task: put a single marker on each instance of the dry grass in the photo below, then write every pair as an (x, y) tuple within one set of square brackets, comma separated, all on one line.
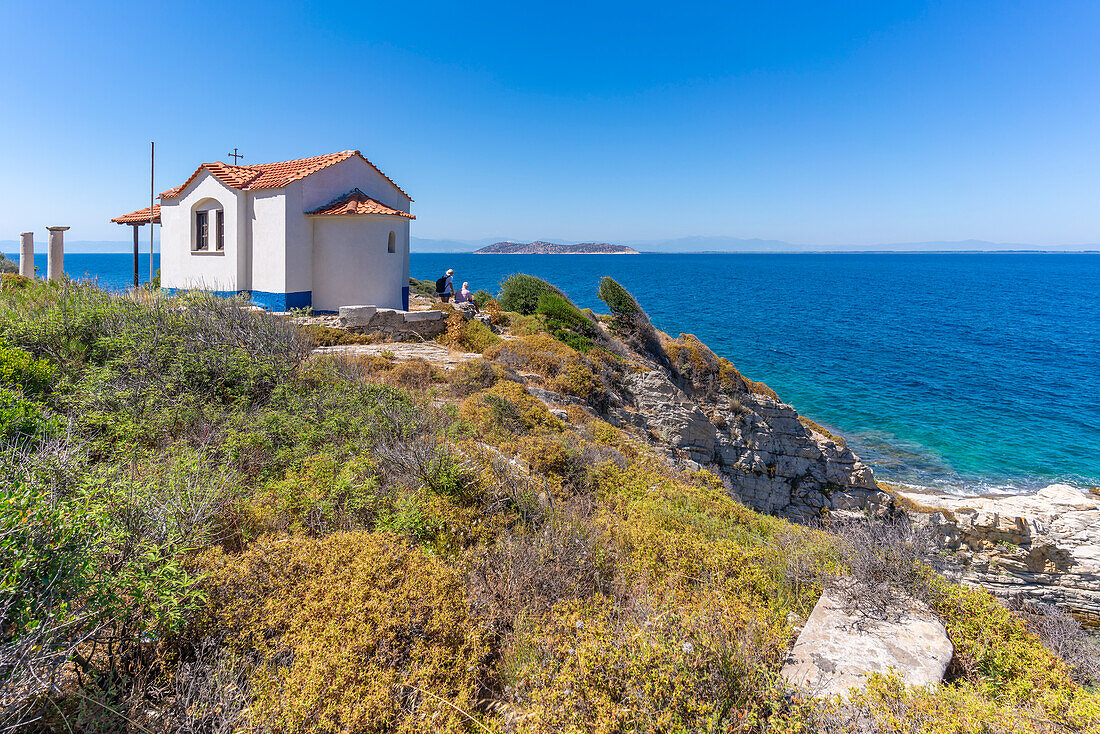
[(818, 428)]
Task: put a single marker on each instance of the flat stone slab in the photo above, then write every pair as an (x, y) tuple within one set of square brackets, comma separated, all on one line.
[(836, 650), (356, 315), (437, 354), (413, 316)]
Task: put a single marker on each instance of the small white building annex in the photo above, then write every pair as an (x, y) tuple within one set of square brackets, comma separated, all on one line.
[(327, 231)]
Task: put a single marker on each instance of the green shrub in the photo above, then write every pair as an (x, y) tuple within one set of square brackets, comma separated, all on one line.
[(628, 321), (507, 409), (618, 299), (417, 374), (7, 266), (422, 287), (19, 368), (325, 411), (325, 495), (22, 417), (327, 336), (521, 293), (12, 282), (483, 298), (469, 335), (566, 370), (46, 560), (566, 322), (137, 370), (47, 576)]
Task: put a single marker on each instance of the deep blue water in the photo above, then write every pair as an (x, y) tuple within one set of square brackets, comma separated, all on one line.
[(112, 272), (965, 371)]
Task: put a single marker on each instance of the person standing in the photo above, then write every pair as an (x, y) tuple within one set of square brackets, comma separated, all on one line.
[(445, 286)]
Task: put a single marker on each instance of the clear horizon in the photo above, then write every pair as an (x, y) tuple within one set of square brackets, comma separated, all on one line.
[(819, 124), (674, 246)]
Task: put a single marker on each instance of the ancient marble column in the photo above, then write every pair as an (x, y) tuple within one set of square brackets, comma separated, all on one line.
[(55, 256), (26, 254)]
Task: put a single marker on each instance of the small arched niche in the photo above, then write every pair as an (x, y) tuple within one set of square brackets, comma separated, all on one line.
[(391, 244)]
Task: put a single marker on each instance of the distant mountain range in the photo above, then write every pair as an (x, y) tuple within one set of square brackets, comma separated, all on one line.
[(735, 244), (552, 248)]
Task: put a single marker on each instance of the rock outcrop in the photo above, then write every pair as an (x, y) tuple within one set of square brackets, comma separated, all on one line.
[(765, 455), (836, 649), (1045, 546)]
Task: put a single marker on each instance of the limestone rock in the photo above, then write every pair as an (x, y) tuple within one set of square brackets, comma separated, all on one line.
[(766, 456), (468, 310), (836, 650), (1045, 546), (673, 415)]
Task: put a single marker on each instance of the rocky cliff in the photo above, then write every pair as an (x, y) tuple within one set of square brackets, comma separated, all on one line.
[(766, 456)]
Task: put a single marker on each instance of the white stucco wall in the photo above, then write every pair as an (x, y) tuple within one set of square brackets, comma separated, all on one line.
[(351, 265), (268, 221), (181, 267), (299, 240)]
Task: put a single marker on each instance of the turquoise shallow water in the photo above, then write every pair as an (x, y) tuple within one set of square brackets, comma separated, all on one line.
[(969, 372)]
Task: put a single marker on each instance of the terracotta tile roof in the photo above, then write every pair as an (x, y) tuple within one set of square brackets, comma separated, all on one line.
[(141, 216), (355, 202), (272, 175)]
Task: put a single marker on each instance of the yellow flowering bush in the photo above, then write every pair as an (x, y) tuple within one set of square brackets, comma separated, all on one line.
[(356, 632)]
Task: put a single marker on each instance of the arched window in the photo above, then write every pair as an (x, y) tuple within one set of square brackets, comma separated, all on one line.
[(391, 246), (208, 226)]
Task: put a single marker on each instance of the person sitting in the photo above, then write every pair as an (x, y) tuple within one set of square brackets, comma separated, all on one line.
[(465, 296)]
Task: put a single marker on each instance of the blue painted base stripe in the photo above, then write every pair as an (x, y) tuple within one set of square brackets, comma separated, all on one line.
[(264, 299)]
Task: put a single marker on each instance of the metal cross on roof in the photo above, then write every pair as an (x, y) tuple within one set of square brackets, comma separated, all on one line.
[(235, 155)]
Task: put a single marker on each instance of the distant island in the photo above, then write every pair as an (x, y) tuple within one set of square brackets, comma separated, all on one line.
[(549, 248)]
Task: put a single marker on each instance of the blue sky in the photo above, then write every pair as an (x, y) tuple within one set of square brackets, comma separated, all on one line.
[(811, 122)]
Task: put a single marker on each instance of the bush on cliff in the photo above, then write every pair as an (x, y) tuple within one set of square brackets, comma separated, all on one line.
[(628, 321), (566, 322), (521, 293), (565, 369)]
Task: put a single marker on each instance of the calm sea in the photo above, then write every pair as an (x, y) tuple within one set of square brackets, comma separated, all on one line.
[(969, 372)]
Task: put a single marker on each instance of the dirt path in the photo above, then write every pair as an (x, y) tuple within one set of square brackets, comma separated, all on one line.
[(437, 354)]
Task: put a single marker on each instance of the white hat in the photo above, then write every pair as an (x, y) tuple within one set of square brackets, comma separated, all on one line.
[(450, 272)]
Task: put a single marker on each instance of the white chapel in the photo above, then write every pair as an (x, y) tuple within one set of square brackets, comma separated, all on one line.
[(325, 232)]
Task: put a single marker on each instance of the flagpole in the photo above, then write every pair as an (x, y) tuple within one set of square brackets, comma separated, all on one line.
[(152, 152)]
